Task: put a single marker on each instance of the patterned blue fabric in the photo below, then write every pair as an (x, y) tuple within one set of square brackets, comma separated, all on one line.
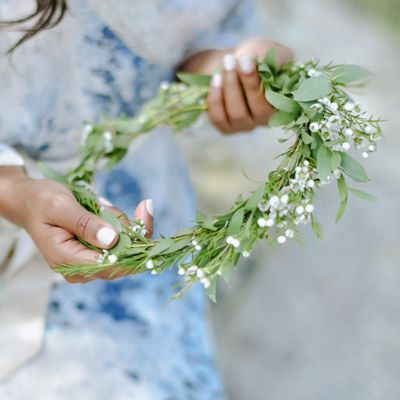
[(122, 339)]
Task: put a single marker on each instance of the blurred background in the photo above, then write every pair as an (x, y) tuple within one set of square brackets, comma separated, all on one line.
[(320, 321)]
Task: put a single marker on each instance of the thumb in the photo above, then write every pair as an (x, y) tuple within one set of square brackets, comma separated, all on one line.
[(88, 226), (145, 212)]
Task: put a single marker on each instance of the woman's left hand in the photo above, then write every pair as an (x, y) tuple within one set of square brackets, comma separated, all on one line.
[(236, 103)]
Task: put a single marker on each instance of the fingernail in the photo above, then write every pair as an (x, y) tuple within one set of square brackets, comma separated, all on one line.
[(104, 202), (229, 62), (106, 235), (217, 80), (149, 207), (246, 64)]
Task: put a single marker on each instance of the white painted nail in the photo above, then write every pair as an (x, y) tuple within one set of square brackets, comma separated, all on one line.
[(217, 80), (149, 207), (104, 202), (246, 64), (106, 236), (229, 62)]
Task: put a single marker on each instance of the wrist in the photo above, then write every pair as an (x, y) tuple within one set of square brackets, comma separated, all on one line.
[(11, 181)]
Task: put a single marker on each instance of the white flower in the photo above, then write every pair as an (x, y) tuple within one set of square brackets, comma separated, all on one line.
[(154, 272), (194, 242), (270, 222), (262, 222), (112, 258), (349, 106), (181, 271), (274, 201), (197, 247), (371, 147), (349, 132), (335, 120), (365, 154), (281, 239), (206, 283), (299, 210), (310, 183), (314, 127), (289, 233), (333, 107), (192, 270), (284, 199), (263, 206), (107, 135), (233, 242), (324, 100), (87, 129), (149, 264), (309, 208), (313, 73), (164, 85), (200, 273), (245, 254), (346, 146), (317, 106), (306, 163)]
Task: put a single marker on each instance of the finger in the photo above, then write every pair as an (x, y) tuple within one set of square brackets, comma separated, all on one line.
[(107, 205), (69, 214), (145, 212), (216, 108), (235, 103), (260, 109)]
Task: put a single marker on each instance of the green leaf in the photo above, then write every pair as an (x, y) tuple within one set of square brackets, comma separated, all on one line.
[(363, 195), (50, 173), (160, 247), (235, 222), (347, 73), (212, 290), (281, 118), (324, 162), (302, 120), (179, 245), (255, 198), (353, 168), (335, 160), (281, 102), (271, 59), (307, 139), (195, 79), (316, 227), (342, 188), (312, 89), (111, 219), (341, 211), (124, 243)]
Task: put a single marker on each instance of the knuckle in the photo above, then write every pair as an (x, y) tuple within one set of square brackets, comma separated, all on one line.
[(82, 224)]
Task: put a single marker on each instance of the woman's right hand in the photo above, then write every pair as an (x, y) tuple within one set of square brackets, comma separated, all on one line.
[(54, 219)]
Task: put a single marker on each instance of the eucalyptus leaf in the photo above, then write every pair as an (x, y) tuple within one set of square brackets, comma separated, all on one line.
[(312, 89), (281, 102), (281, 118), (212, 290), (341, 211), (342, 188), (236, 222), (324, 162), (123, 244), (347, 73), (255, 198), (336, 160), (353, 168), (111, 219), (195, 79), (316, 227), (363, 195), (306, 138), (50, 173)]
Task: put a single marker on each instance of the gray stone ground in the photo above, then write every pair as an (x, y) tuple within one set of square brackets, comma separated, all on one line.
[(323, 321)]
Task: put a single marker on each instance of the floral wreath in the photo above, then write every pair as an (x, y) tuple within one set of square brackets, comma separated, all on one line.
[(321, 122)]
